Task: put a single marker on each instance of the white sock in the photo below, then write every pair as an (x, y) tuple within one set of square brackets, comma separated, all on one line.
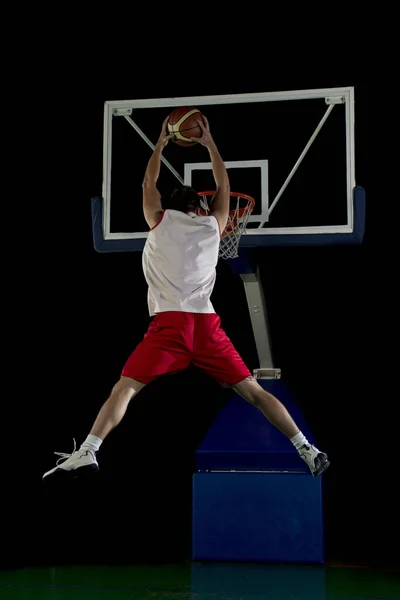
[(299, 440), (92, 442)]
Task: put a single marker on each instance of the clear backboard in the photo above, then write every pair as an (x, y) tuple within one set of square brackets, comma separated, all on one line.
[(292, 151)]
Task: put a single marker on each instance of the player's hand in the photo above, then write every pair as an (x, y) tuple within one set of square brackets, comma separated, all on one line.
[(164, 136), (206, 137)]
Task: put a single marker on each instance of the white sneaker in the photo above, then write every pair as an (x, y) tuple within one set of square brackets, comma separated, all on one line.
[(316, 460), (79, 459)]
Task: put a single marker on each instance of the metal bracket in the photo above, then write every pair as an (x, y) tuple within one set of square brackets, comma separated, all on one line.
[(122, 112), (335, 100), (267, 373)]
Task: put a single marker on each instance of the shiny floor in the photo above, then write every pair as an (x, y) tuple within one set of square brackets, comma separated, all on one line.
[(200, 582)]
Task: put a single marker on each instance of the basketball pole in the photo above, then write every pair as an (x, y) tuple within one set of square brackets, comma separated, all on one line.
[(245, 266)]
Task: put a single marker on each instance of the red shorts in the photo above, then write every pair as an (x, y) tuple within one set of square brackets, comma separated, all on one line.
[(176, 340)]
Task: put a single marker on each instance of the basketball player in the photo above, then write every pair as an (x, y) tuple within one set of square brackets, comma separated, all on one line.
[(179, 262)]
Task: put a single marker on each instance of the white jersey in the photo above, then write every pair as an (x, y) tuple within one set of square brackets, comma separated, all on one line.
[(179, 261)]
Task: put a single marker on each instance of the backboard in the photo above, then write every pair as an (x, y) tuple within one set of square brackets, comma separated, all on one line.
[(292, 151)]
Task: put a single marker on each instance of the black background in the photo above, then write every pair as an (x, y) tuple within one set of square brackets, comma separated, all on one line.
[(82, 313)]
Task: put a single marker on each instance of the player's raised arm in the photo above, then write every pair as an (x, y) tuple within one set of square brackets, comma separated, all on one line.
[(220, 204), (152, 207)]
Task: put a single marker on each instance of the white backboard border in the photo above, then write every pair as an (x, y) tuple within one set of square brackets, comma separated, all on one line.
[(331, 95)]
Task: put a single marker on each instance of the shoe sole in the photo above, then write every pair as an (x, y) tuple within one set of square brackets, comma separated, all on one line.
[(72, 473)]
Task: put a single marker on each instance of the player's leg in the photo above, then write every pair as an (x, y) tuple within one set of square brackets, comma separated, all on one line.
[(163, 350), (277, 414), (216, 354), (114, 409), (271, 407), (110, 415)]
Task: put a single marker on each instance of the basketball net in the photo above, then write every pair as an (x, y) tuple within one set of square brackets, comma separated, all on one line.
[(237, 221)]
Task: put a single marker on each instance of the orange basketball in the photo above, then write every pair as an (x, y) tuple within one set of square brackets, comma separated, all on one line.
[(182, 122)]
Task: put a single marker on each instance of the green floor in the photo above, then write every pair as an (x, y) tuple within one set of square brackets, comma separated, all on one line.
[(200, 582)]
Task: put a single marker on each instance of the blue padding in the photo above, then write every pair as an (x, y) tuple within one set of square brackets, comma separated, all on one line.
[(214, 580), (329, 239), (257, 517), (317, 239), (245, 263), (102, 245), (241, 438)]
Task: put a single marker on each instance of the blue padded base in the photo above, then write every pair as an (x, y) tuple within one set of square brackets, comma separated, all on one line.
[(241, 438), (333, 239), (257, 517)]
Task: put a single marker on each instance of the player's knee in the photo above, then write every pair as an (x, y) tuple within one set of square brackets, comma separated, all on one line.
[(253, 395), (126, 388), (255, 398), (250, 390)]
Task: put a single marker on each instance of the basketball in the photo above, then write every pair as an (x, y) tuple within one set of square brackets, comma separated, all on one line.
[(182, 122)]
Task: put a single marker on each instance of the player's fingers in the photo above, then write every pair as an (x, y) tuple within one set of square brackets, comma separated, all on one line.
[(201, 125), (206, 122), (194, 139), (164, 125)]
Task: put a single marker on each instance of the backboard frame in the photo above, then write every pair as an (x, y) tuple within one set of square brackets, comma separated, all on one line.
[(332, 96)]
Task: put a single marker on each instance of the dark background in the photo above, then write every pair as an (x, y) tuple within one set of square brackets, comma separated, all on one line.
[(84, 312)]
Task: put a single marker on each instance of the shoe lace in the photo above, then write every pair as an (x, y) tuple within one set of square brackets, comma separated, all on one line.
[(63, 455)]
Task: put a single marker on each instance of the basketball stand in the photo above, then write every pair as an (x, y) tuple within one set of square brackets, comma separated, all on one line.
[(253, 499)]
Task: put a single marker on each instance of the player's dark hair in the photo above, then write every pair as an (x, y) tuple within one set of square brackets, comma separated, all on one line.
[(185, 199)]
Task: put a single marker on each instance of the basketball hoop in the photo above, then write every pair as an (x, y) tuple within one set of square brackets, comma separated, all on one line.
[(237, 221)]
